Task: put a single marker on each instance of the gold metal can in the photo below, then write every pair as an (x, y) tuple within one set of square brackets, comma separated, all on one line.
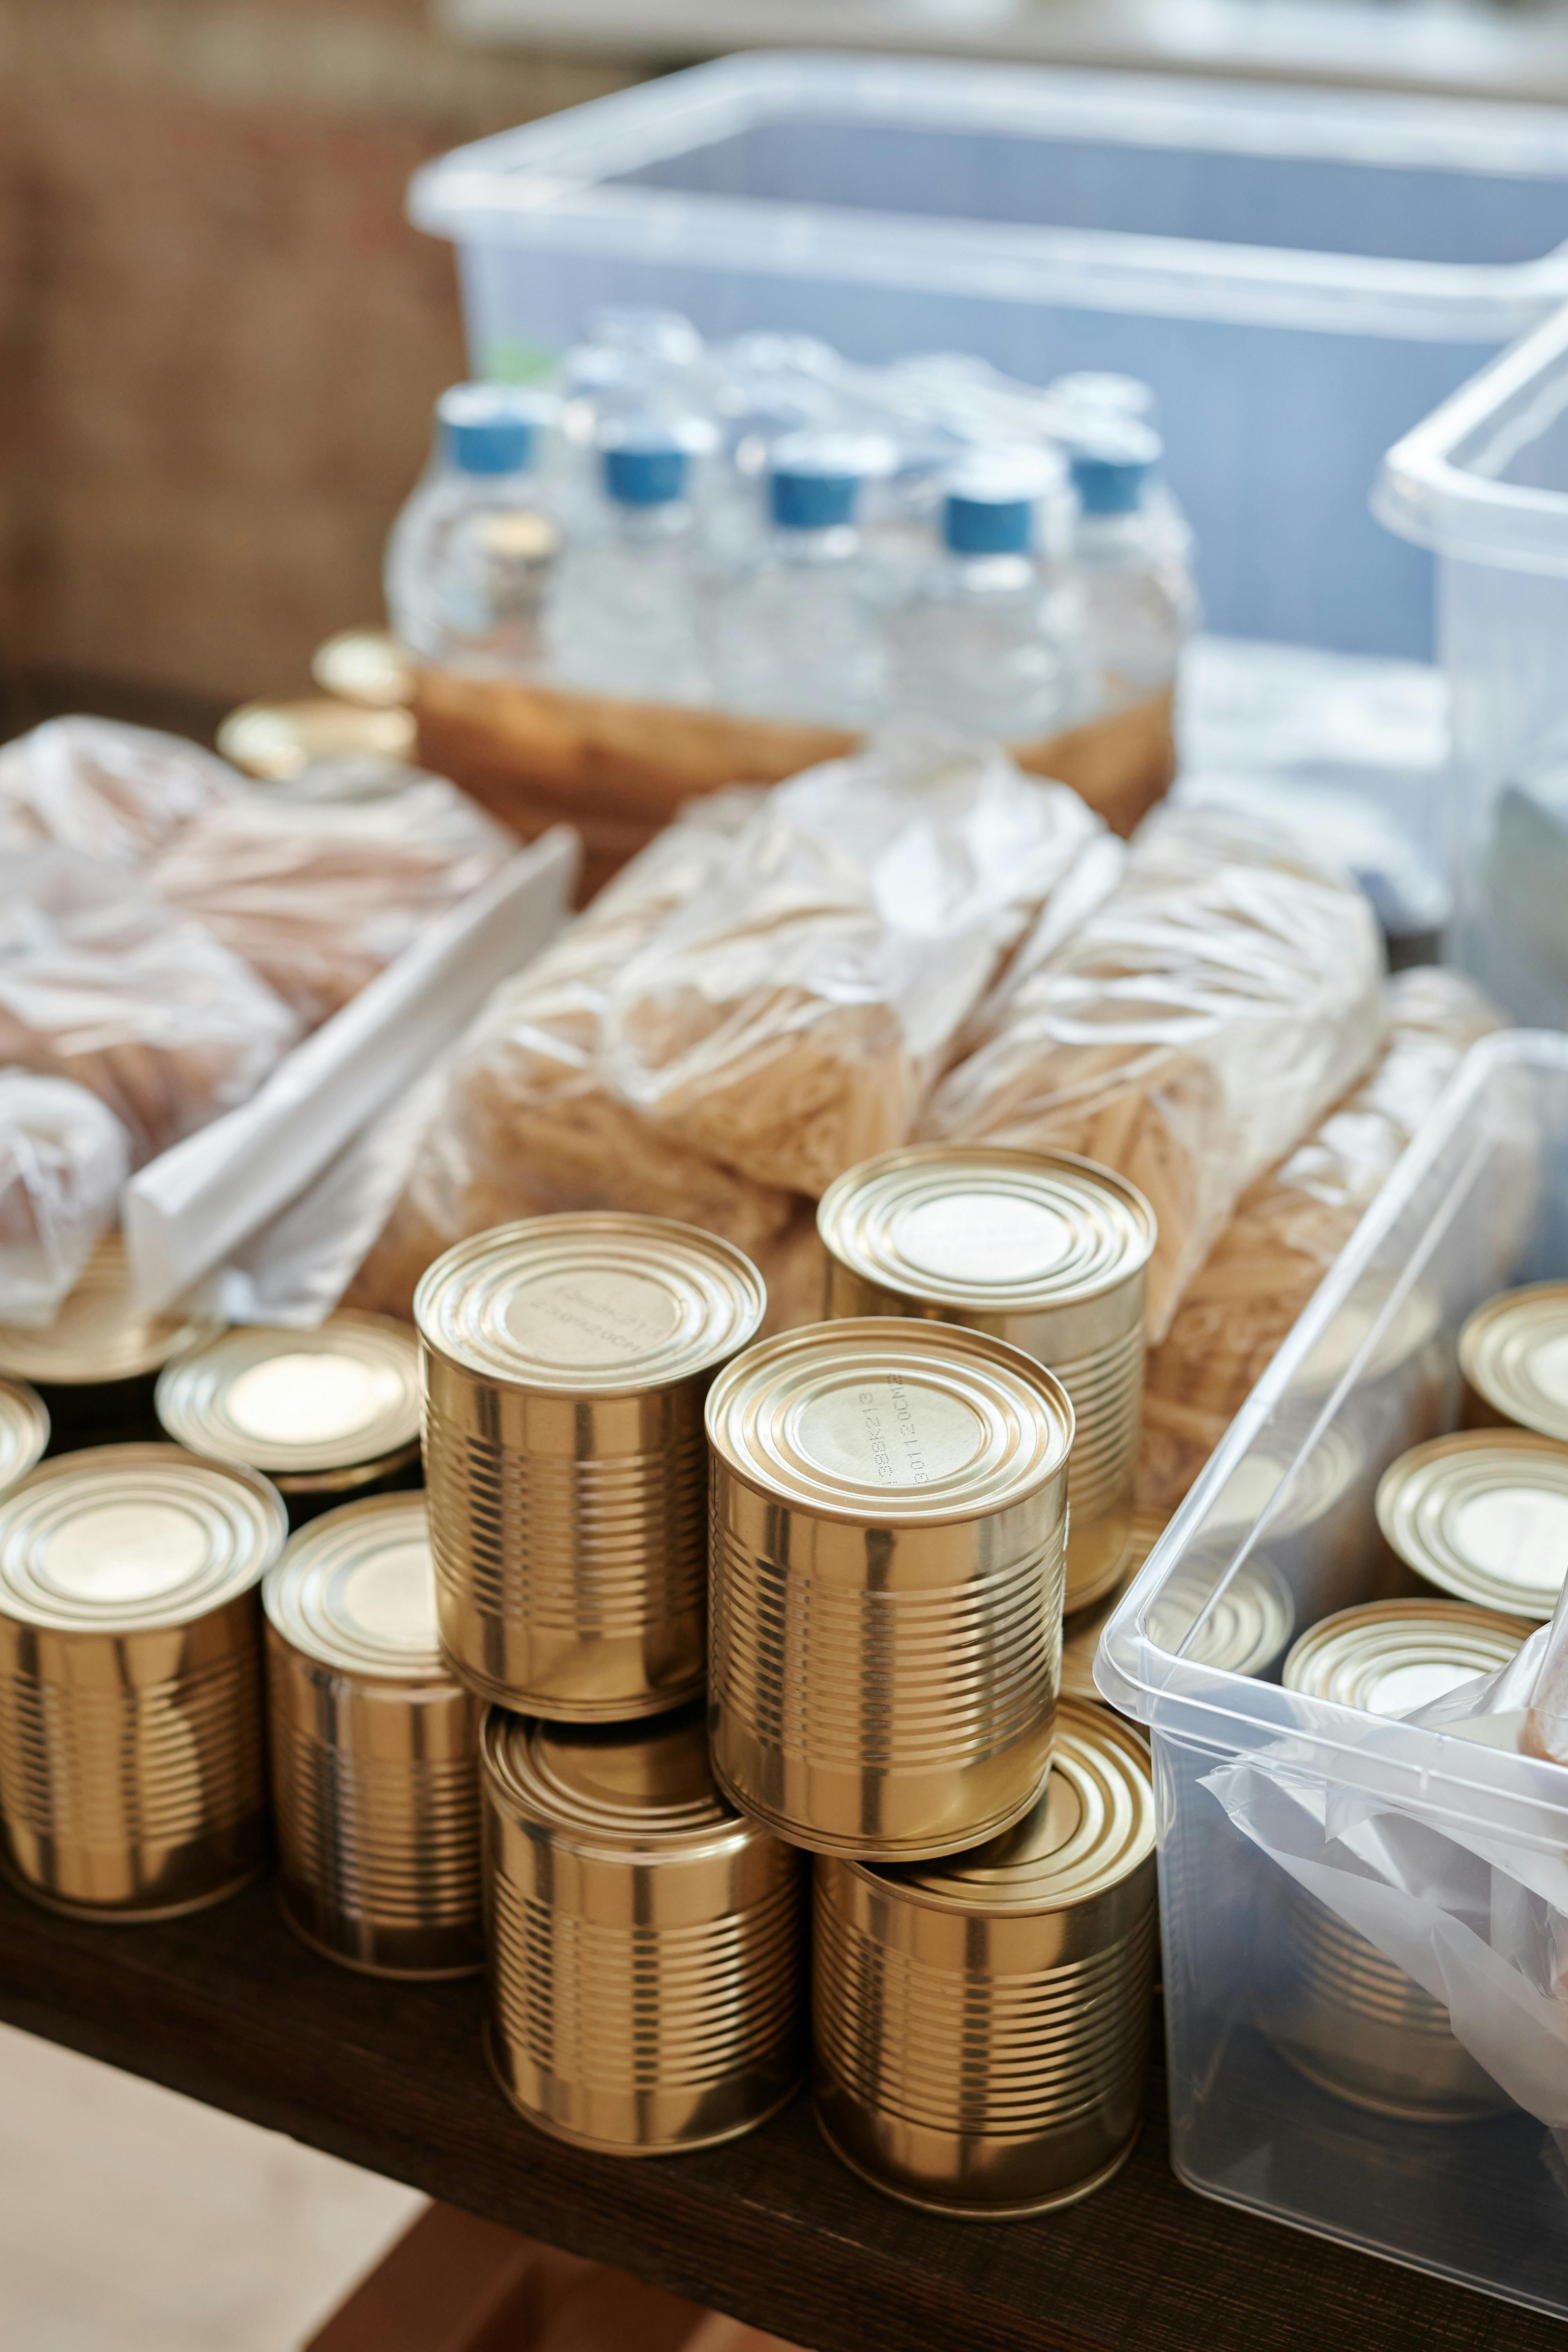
[(277, 740), (1514, 1354), (364, 666), (1482, 1516), (1082, 1631), (96, 1364), (24, 1432), (566, 1363), (1241, 1622), (646, 1942), (374, 1749), (983, 2027), (889, 1528), (325, 1414), (131, 1772), (1348, 2018), (1044, 1250)]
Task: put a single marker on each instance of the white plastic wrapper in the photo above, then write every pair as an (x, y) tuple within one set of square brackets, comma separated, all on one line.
[(320, 892), (115, 792), (104, 984), (789, 1018), (1186, 1033), (1477, 1918), (63, 1158)]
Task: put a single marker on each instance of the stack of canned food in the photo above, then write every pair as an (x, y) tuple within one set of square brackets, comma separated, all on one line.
[(682, 1617)]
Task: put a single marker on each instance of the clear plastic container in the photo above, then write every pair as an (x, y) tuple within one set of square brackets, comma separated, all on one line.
[(1299, 274), (1484, 482), (1478, 1202)]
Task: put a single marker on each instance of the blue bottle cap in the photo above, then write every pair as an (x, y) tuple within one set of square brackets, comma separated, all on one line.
[(975, 524), (645, 468), (1111, 466), (490, 428)]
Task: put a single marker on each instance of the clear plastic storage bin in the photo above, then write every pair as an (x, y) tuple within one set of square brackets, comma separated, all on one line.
[(1478, 1202), (1485, 483), (1301, 274)]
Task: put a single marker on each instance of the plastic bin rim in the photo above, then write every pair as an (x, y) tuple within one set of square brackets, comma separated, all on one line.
[(1432, 1772), (1424, 492), (543, 185)]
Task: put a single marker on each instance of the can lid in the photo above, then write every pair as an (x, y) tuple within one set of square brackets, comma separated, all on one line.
[(126, 1538), (1484, 1515), (889, 1422), (1412, 1326), (981, 1227), (590, 1305), (1243, 1628), (617, 1787), (276, 740), (100, 1334), (1294, 1490), (364, 666), (1392, 1656), (343, 1394), (355, 1590), (1514, 1353), (24, 1431), (1091, 1827)]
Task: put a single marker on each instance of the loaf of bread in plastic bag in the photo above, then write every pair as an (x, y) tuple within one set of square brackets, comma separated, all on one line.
[(528, 1124), (103, 983), (1291, 1226), (790, 1019), (119, 793), (1199, 1020)]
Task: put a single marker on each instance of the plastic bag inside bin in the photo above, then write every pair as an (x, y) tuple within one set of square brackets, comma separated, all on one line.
[(115, 792), (1476, 1913), (63, 1158)]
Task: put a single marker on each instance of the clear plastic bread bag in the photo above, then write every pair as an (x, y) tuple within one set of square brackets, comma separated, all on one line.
[(63, 1158), (103, 983), (319, 884), (1187, 1033), (790, 1019), (1291, 1224), (118, 793), (528, 1124)]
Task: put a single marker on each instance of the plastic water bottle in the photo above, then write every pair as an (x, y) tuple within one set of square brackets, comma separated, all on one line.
[(470, 555), (623, 617), (796, 634), (1135, 588), (987, 639)]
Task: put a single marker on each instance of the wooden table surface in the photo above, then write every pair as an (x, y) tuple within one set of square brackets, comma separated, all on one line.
[(228, 2007)]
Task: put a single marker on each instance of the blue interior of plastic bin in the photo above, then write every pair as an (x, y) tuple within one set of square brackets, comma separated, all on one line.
[(1301, 206)]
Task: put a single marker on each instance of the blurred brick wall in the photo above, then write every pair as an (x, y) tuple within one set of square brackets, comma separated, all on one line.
[(219, 338)]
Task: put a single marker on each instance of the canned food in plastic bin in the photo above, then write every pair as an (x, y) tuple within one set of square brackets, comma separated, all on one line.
[(890, 1518), (1514, 1353), (96, 1364), (982, 2023), (24, 1432), (646, 1942), (1353, 2020), (1044, 1250), (131, 1772), (1482, 1517), (566, 1363), (374, 1749), (326, 1413)]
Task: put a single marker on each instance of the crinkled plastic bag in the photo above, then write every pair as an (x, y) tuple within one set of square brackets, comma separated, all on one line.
[(529, 1125), (103, 983), (1476, 1916), (1199, 1020), (1291, 1226), (115, 792), (63, 1158), (789, 1020), (319, 892)]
